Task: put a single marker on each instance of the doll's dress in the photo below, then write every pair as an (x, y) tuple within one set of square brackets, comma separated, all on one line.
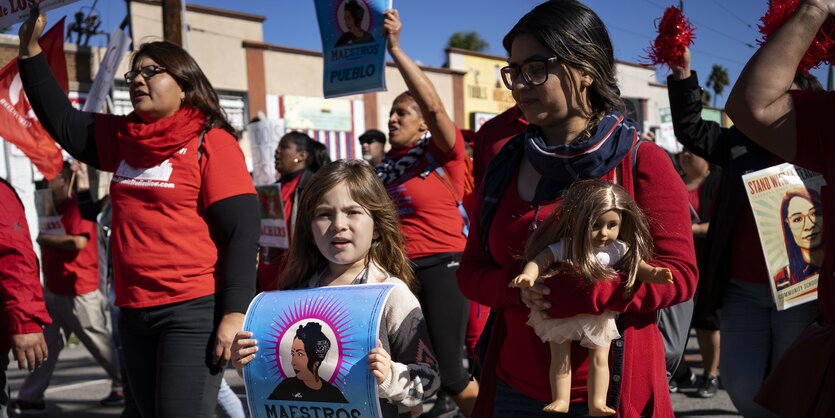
[(591, 331)]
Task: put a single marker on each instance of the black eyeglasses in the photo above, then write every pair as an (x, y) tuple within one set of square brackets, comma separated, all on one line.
[(146, 72), (534, 72)]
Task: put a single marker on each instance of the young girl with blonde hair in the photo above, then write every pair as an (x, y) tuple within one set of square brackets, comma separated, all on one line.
[(583, 234), (347, 232)]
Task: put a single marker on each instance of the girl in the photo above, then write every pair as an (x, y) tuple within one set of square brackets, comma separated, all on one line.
[(593, 249), (347, 233)]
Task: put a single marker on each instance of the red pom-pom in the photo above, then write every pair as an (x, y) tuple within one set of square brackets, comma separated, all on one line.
[(675, 34), (820, 51)]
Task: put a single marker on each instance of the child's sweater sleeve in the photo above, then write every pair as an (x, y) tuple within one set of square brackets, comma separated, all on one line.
[(414, 370)]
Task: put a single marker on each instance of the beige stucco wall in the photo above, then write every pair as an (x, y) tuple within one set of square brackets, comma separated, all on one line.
[(639, 82), (301, 74), (214, 42)]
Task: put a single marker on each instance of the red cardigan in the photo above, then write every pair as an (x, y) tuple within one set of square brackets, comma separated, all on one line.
[(523, 360), (22, 309)]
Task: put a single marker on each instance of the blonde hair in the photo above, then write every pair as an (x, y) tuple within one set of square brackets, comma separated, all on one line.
[(365, 188), (583, 203)]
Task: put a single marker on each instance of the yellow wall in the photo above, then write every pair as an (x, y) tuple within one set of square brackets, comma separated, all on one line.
[(483, 88)]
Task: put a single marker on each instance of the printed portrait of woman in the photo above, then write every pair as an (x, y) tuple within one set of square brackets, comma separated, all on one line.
[(802, 218), (309, 349), (353, 16)]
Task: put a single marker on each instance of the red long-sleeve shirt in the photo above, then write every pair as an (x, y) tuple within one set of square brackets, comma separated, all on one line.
[(523, 361), (22, 310)]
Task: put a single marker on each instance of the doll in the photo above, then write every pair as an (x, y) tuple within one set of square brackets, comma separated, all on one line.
[(583, 234)]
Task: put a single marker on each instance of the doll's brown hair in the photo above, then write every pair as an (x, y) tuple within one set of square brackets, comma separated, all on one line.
[(582, 204)]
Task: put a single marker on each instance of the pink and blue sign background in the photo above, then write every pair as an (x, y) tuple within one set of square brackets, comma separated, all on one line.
[(350, 318)]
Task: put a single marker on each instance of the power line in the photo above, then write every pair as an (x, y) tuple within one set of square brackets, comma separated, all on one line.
[(719, 57), (700, 25), (721, 6)]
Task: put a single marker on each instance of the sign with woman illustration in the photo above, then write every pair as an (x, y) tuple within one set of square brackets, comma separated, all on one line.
[(353, 45), (312, 344), (786, 203)]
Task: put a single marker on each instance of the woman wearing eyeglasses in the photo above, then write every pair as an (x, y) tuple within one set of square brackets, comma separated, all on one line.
[(424, 175), (561, 73), (185, 219)]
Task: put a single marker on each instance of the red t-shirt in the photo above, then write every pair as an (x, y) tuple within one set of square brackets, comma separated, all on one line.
[(429, 215), (815, 149), (68, 272), (162, 251)]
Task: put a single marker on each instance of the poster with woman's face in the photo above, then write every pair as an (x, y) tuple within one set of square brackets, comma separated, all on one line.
[(786, 204), (353, 44), (312, 351)]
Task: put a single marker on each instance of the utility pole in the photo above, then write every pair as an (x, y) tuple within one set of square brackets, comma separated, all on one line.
[(829, 78), (172, 23), (681, 5)]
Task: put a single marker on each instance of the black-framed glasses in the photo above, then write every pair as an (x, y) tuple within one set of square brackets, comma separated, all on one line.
[(534, 72), (146, 72)]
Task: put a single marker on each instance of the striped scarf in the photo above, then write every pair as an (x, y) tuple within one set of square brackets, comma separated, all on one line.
[(394, 167)]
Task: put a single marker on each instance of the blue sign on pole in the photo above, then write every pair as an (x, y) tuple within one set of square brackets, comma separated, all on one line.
[(353, 45), (312, 352)]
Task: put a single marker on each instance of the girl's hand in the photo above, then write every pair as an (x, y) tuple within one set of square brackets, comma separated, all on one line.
[(30, 31), (534, 297), (391, 28), (243, 350), (523, 281), (379, 362), (231, 323)]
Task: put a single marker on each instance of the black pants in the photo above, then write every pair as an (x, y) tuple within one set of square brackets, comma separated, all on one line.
[(446, 311), (168, 358)]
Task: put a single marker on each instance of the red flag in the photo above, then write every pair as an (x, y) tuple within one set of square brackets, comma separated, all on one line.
[(18, 123)]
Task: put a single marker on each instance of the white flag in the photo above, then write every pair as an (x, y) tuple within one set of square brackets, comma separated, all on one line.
[(116, 49)]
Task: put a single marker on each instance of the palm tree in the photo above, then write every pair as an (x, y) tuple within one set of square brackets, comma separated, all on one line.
[(471, 41), (717, 81)]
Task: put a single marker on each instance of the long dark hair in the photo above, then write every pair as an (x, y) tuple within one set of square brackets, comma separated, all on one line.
[(577, 36), (199, 92)]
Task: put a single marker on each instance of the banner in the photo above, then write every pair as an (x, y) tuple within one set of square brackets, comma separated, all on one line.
[(312, 352), (786, 203), (116, 50), (18, 123), (49, 221), (273, 225), (353, 45), (263, 140), (666, 137), (16, 11)]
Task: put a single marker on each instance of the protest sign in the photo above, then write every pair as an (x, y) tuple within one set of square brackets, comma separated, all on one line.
[(322, 336), (263, 140), (49, 221), (116, 50), (16, 11), (273, 223), (786, 203), (353, 45)]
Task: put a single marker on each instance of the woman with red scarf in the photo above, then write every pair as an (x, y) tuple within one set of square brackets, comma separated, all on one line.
[(424, 175), (561, 73), (185, 219)]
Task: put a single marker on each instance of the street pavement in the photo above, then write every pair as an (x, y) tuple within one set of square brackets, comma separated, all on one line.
[(79, 383)]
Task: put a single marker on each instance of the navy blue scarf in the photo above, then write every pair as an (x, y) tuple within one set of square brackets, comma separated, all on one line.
[(559, 165)]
